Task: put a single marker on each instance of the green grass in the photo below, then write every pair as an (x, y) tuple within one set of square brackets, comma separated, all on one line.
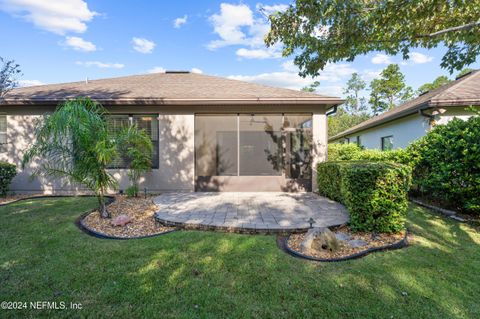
[(193, 274)]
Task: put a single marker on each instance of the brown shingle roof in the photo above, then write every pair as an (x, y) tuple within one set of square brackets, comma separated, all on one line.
[(166, 88), (461, 92)]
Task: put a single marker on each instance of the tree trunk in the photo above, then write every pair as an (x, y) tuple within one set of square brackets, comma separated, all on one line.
[(102, 207)]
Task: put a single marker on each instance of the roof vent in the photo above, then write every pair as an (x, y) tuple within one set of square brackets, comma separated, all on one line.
[(177, 72), (463, 75)]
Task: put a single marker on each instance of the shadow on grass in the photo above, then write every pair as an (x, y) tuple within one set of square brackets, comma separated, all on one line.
[(206, 274)]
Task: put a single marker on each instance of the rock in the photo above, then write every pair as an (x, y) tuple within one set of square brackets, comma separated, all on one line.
[(121, 220), (357, 243), (319, 239), (342, 236)]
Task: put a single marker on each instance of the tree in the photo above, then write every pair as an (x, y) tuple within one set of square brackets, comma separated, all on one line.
[(312, 87), (321, 32), (389, 89), (353, 102), (136, 148), (438, 82), (8, 76), (463, 72), (74, 143), (342, 121)]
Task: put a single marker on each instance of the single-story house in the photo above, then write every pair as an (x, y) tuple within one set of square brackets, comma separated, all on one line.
[(209, 133), (404, 124)]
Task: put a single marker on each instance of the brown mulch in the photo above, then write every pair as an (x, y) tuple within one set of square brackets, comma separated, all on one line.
[(141, 210), (346, 250)]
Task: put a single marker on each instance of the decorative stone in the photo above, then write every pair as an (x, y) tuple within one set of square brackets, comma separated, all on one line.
[(355, 243), (121, 220), (319, 238), (342, 236)]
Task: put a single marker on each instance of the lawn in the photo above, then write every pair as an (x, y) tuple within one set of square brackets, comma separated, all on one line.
[(190, 274)]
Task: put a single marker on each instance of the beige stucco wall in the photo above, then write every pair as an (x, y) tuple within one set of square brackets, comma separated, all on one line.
[(176, 145), (320, 141)]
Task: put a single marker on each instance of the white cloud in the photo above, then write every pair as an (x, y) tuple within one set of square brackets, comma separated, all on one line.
[(237, 25), (79, 44), (196, 70), (57, 16), (101, 65), (271, 9), (380, 58), (229, 23), (25, 83), (288, 78), (419, 58), (258, 53), (368, 75), (157, 69), (178, 22), (143, 45)]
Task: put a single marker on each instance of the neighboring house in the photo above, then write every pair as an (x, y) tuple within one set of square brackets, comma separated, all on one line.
[(209, 133), (404, 124)]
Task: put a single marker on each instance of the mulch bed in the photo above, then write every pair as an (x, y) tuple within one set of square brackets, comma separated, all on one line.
[(141, 210), (345, 250)]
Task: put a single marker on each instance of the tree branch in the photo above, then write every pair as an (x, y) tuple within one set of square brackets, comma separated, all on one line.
[(452, 29)]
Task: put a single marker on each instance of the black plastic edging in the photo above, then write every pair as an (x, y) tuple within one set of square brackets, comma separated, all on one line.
[(282, 243), (79, 220)]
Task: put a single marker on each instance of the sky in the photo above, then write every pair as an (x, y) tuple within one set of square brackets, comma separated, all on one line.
[(59, 41)]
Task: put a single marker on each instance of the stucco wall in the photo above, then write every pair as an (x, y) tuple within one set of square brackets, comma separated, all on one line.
[(176, 165), (405, 130)]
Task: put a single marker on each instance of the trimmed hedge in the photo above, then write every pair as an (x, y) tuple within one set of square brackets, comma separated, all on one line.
[(447, 165), (375, 193), (7, 173), (352, 152)]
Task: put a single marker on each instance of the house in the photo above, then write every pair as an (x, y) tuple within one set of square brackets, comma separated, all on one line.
[(404, 124), (209, 133)]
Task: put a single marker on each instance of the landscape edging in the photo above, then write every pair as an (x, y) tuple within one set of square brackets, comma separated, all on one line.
[(282, 243)]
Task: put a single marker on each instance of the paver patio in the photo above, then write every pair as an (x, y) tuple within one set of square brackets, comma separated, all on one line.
[(262, 212)]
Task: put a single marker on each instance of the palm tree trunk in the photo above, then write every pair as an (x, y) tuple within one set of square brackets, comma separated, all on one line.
[(102, 207)]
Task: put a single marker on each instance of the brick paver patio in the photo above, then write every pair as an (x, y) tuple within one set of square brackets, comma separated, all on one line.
[(261, 212)]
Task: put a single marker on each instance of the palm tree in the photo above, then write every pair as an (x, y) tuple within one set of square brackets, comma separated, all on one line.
[(74, 143), (136, 149)]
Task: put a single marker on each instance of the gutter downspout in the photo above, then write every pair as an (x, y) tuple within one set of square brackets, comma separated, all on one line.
[(431, 118), (332, 111)]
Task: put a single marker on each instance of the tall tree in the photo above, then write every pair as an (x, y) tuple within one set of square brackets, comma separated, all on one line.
[(328, 31), (342, 121), (312, 87), (9, 72), (438, 82), (389, 90), (353, 102)]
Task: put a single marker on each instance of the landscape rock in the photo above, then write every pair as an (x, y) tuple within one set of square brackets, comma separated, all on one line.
[(342, 236), (319, 238), (357, 243), (121, 220)]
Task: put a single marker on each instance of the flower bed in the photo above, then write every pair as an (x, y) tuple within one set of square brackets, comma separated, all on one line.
[(370, 242), (141, 212)]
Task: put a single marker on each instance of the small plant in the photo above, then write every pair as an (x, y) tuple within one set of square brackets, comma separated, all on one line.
[(7, 173), (136, 148)]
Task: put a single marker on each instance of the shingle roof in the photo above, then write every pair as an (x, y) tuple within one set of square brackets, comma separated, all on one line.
[(461, 92), (166, 88)]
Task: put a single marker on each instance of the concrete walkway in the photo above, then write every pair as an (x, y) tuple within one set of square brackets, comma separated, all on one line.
[(260, 212)]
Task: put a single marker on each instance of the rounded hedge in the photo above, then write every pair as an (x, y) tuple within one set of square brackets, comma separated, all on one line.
[(7, 173)]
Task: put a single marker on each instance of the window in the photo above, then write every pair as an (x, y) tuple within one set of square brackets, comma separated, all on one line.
[(346, 140), (387, 143), (148, 123), (3, 132)]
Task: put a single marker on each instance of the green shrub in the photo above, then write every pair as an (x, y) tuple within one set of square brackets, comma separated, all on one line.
[(447, 165), (7, 173), (375, 193), (132, 191), (352, 152)]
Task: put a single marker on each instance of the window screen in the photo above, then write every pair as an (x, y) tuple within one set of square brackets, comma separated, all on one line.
[(387, 143), (3, 130)]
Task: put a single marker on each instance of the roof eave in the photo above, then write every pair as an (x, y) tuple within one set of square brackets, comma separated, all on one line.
[(149, 101)]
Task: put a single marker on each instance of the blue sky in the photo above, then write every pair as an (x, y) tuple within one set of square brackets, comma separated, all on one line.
[(69, 40)]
